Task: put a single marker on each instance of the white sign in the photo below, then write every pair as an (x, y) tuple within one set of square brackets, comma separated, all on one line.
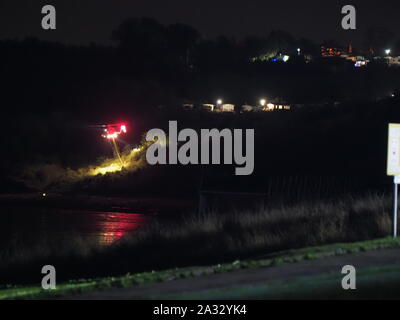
[(393, 157)]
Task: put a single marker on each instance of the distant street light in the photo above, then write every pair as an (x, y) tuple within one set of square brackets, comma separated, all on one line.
[(387, 51), (219, 102), (298, 51), (263, 102)]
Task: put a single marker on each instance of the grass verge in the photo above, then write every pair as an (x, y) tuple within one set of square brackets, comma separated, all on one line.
[(128, 280)]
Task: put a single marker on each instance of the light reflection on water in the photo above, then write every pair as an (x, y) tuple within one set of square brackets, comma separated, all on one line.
[(112, 226), (41, 223), (105, 227)]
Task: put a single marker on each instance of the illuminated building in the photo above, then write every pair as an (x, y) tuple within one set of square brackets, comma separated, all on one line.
[(277, 106), (208, 106), (227, 107), (331, 52)]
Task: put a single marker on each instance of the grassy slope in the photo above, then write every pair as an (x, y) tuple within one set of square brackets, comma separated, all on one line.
[(290, 256)]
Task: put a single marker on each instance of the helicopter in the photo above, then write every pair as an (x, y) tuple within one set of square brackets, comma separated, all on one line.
[(112, 132)]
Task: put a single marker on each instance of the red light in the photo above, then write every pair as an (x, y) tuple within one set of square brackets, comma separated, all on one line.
[(112, 131)]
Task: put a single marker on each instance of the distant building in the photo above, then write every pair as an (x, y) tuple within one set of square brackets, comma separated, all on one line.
[(360, 62), (348, 57), (227, 107), (392, 61), (188, 106), (278, 106), (248, 108), (308, 58), (346, 54), (280, 58), (331, 52), (208, 107)]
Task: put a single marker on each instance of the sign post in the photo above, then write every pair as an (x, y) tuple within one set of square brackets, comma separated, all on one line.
[(393, 166), (395, 205)]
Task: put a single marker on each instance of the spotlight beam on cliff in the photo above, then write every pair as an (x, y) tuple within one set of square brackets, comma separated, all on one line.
[(111, 132)]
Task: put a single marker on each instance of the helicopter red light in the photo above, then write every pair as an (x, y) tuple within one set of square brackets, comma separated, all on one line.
[(112, 131)]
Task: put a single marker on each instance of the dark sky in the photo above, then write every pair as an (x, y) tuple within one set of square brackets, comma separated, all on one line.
[(84, 21)]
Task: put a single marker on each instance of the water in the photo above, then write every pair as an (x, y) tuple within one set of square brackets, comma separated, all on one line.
[(32, 224), (105, 227)]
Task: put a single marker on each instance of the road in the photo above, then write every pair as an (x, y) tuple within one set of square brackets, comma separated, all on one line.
[(224, 284)]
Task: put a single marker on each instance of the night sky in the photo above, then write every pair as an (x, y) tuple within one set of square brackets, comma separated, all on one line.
[(82, 22)]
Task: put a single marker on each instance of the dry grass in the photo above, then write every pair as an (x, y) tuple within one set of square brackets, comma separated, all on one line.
[(204, 239), (270, 229)]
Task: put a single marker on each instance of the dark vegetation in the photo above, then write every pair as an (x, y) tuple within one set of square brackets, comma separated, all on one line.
[(208, 238), (334, 146), (51, 93), (306, 153)]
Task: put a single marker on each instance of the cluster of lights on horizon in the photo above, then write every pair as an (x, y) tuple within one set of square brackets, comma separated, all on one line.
[(262, 102)]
